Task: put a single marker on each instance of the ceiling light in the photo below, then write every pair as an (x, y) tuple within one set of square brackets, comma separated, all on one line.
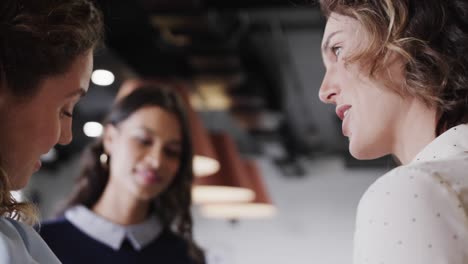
[(93, 129), (261, 207), (230, 183), (102, 77)]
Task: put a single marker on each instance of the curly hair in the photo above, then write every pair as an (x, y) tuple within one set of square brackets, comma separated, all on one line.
[(432, 38), (39, 39), (50, 33), (173, 205)]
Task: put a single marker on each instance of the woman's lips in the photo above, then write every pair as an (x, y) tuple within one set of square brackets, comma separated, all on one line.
[(37, 165), (345, 124), (343, 112), (149, 177)]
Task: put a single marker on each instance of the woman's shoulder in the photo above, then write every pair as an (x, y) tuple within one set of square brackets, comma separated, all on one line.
[(9, 227), (172, 246), (171, 241), (15, 231), (408, 177), (12, 246), (418, 186), (423, 176), (169, 236), (20, 243), (55, 223), (414, 207), (55, 230)]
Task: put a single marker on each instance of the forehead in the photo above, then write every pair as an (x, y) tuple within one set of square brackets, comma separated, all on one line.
[(158, 120), (340, 24), (71, 84)]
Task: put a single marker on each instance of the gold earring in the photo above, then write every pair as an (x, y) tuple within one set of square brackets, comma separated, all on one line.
[(104, 159)]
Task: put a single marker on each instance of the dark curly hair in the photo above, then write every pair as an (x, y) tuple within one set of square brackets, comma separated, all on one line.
[(39, 39), (432, 38), (42, 38), (173, 205)]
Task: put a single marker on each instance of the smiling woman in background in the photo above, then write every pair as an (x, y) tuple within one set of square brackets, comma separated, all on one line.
[(132, 200), (46, 58), (397, 73)]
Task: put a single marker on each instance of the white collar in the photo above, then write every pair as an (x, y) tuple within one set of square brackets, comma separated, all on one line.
[(112, 234), (453, 142)]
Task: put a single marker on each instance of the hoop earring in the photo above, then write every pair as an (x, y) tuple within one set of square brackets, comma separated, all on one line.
[(104, 159)]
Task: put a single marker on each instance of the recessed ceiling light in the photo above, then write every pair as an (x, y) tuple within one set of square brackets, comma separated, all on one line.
[(102, 77), (93, 129)]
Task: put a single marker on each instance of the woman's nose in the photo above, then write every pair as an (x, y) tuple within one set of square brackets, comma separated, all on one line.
[(66, 134), (329, 90), (154, 157)]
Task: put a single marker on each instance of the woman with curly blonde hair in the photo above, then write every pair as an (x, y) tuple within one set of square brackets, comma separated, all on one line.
[(46, 58), (397, 72)]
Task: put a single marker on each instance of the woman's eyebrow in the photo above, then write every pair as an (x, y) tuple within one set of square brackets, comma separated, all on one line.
[(80, 91), (327, 41)]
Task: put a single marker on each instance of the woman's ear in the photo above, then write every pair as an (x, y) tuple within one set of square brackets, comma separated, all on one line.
[(109, 137)]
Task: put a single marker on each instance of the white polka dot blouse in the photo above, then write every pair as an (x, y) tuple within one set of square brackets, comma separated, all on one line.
[(417, 213)]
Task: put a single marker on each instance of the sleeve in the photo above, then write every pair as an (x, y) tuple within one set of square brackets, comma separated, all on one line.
[(410, 216)]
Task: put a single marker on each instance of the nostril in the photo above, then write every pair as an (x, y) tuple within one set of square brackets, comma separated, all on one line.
[(330, 96)]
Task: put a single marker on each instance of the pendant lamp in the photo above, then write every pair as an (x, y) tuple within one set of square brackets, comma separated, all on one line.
[(230, 183), (260, 207)]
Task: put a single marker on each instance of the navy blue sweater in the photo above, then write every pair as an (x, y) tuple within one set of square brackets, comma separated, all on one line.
[(73, 246)]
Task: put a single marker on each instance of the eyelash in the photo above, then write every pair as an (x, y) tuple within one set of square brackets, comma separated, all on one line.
[(144, 142), (335, 49), (173, 153), (169, 152), (67, 114)]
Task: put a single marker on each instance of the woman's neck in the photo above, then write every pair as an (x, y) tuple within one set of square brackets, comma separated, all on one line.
[(121, 209), (415, 132)]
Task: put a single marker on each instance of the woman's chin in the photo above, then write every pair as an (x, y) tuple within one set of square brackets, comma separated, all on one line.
[(20, 183), (363, 152)]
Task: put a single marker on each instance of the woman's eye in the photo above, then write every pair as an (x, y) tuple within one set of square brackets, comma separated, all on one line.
[(65, 113), (173, 153), (337, 50), (67, 110), (144, 141)]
